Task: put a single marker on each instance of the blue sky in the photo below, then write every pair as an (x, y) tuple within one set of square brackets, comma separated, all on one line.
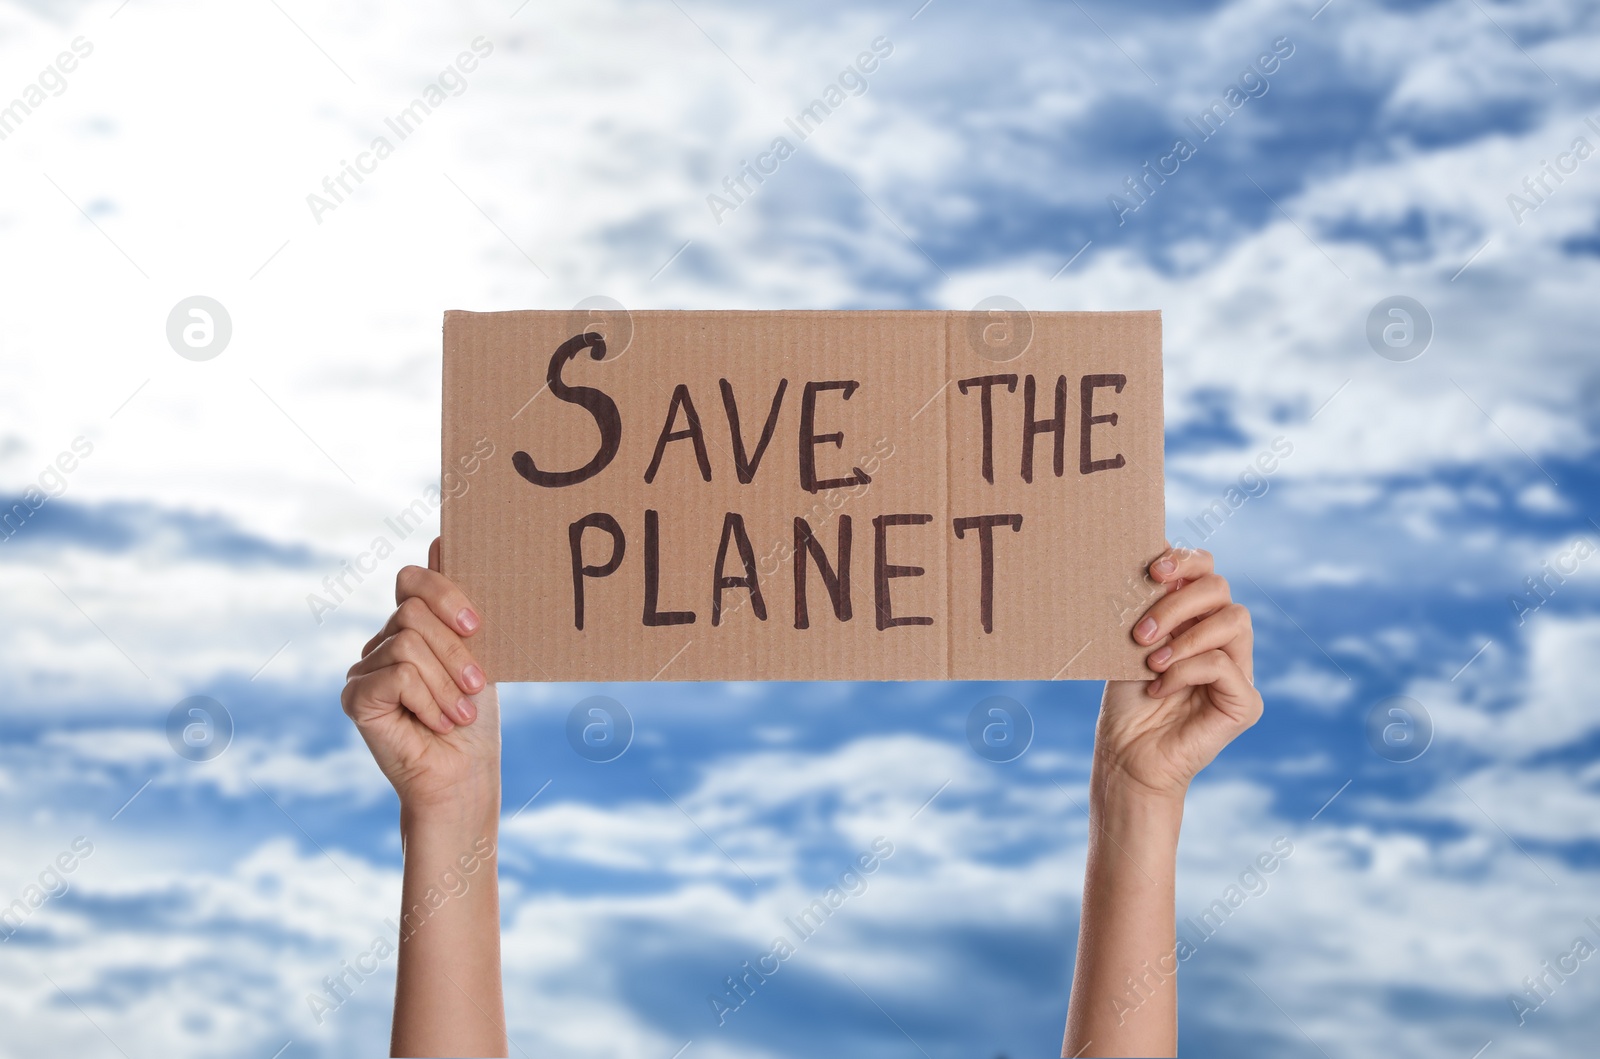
[(1382, 559)]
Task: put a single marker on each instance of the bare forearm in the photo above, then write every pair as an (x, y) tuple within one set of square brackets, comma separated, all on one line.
[(447, 991), (1124, 987), (1151, 738)]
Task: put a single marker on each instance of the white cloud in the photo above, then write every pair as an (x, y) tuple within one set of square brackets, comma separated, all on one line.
[(1547, 705), (1316, 688), (1541, 498)]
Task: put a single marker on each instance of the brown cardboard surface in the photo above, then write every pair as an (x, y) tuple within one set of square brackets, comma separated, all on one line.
[(1065, 584)]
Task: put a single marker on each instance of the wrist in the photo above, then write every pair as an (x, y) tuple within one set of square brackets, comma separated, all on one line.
[(475, 810), (440, 844), (1132, 812)]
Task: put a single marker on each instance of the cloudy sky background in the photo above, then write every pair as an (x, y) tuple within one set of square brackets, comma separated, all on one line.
[(576, 162)]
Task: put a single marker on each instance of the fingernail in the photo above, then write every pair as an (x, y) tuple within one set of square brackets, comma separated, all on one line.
[(448, 725), (1145, 630), (468, 712), (1154, 687), (1164, 567), (467, 620), (473, 676), (1161, 656)]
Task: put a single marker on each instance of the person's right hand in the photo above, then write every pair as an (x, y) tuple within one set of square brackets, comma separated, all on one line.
[(421, 701)]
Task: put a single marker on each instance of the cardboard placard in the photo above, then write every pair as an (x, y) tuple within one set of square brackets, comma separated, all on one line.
[(803, 495)]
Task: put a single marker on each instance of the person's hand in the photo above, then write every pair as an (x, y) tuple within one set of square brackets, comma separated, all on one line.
[(432, 721), (423, 704), (1156, 735)]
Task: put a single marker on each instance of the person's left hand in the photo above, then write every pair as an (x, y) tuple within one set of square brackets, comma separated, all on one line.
[(1158, 734)]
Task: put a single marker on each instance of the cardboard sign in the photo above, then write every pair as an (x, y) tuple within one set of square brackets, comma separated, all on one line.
[(804, 495)]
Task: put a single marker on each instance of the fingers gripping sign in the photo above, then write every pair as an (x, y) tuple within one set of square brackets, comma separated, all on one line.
[(417, 693), (1201, 647)]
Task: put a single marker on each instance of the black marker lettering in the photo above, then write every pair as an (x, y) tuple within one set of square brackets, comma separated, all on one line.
[(600, 521), (652, 577), (837, 583), (882, 571), (985, 525), (985, 383), (680, 399), (1089, 383), (602, 407), (744, 467), (1056, 425), (733, 527), (809, 439)]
